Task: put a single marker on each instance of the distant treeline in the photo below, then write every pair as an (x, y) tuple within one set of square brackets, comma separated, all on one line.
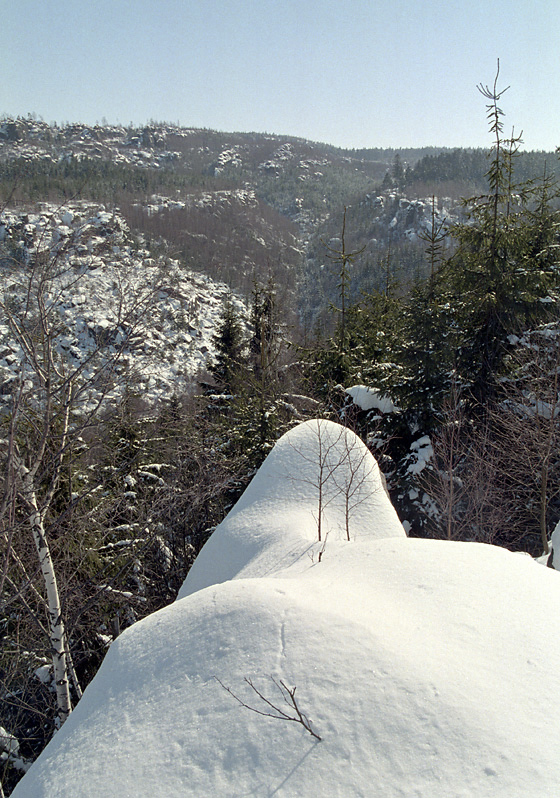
[(96, 179), (472, 166), (409, 155)]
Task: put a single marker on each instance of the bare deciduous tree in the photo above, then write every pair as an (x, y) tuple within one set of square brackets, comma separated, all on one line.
[(495, 476), (340, 471), (354, 477)]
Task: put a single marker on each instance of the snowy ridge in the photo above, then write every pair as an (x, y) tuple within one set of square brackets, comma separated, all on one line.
[(426, 668), (34, 140)]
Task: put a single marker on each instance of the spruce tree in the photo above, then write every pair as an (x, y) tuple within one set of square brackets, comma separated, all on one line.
[(497, 285), (247, 421), (229, 342), (336, 361)]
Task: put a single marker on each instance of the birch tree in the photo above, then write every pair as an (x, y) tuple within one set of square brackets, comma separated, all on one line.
[(45, 412)]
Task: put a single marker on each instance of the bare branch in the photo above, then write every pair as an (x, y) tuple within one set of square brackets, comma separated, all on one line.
[(289, 696)]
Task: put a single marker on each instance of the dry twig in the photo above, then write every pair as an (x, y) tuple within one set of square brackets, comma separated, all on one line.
[(289, 696)]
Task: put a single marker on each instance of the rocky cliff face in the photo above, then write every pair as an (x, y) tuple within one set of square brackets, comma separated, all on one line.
[(105, 295)]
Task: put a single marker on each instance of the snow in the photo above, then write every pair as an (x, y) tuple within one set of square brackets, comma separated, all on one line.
[(429, 669), (555, 547), (370, 399), (422, 452)]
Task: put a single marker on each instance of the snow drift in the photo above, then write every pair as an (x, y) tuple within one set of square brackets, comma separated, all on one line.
[(427, 668), (318, 485)]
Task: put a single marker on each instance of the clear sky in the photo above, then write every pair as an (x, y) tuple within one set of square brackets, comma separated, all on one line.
[(354, 73)]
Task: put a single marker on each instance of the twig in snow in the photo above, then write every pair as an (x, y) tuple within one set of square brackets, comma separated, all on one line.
[(289, 696)]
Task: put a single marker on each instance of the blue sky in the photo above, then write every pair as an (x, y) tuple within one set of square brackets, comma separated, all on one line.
[(354, 73)]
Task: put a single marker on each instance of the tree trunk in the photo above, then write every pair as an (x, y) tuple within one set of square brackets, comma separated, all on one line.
[(57, 631)]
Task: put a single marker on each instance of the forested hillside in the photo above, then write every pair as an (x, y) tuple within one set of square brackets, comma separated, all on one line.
[(173, 300)]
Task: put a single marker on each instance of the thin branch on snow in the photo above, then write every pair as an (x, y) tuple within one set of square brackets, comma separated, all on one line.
[(289, 696)]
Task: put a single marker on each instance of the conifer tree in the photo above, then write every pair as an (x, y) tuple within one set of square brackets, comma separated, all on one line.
[(248, 421), (264, 327), (497, 281), (337, 360), (229, 341), (259, 406)]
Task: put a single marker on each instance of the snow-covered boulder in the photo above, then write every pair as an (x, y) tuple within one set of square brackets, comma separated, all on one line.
[(553, 558), (422, 668), (318, 470)]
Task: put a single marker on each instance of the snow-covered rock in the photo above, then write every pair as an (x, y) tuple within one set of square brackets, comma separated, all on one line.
[(410, 219), (109, 296), (426, 668)]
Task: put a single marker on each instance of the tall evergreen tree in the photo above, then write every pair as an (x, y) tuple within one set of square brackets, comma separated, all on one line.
[(229, 341), (248, 421), (497, 283)]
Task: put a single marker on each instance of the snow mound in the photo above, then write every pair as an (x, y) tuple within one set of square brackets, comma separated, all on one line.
[(318, 470), (426, 668)]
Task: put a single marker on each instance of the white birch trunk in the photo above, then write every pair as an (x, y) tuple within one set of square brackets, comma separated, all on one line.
[(57, 632)]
